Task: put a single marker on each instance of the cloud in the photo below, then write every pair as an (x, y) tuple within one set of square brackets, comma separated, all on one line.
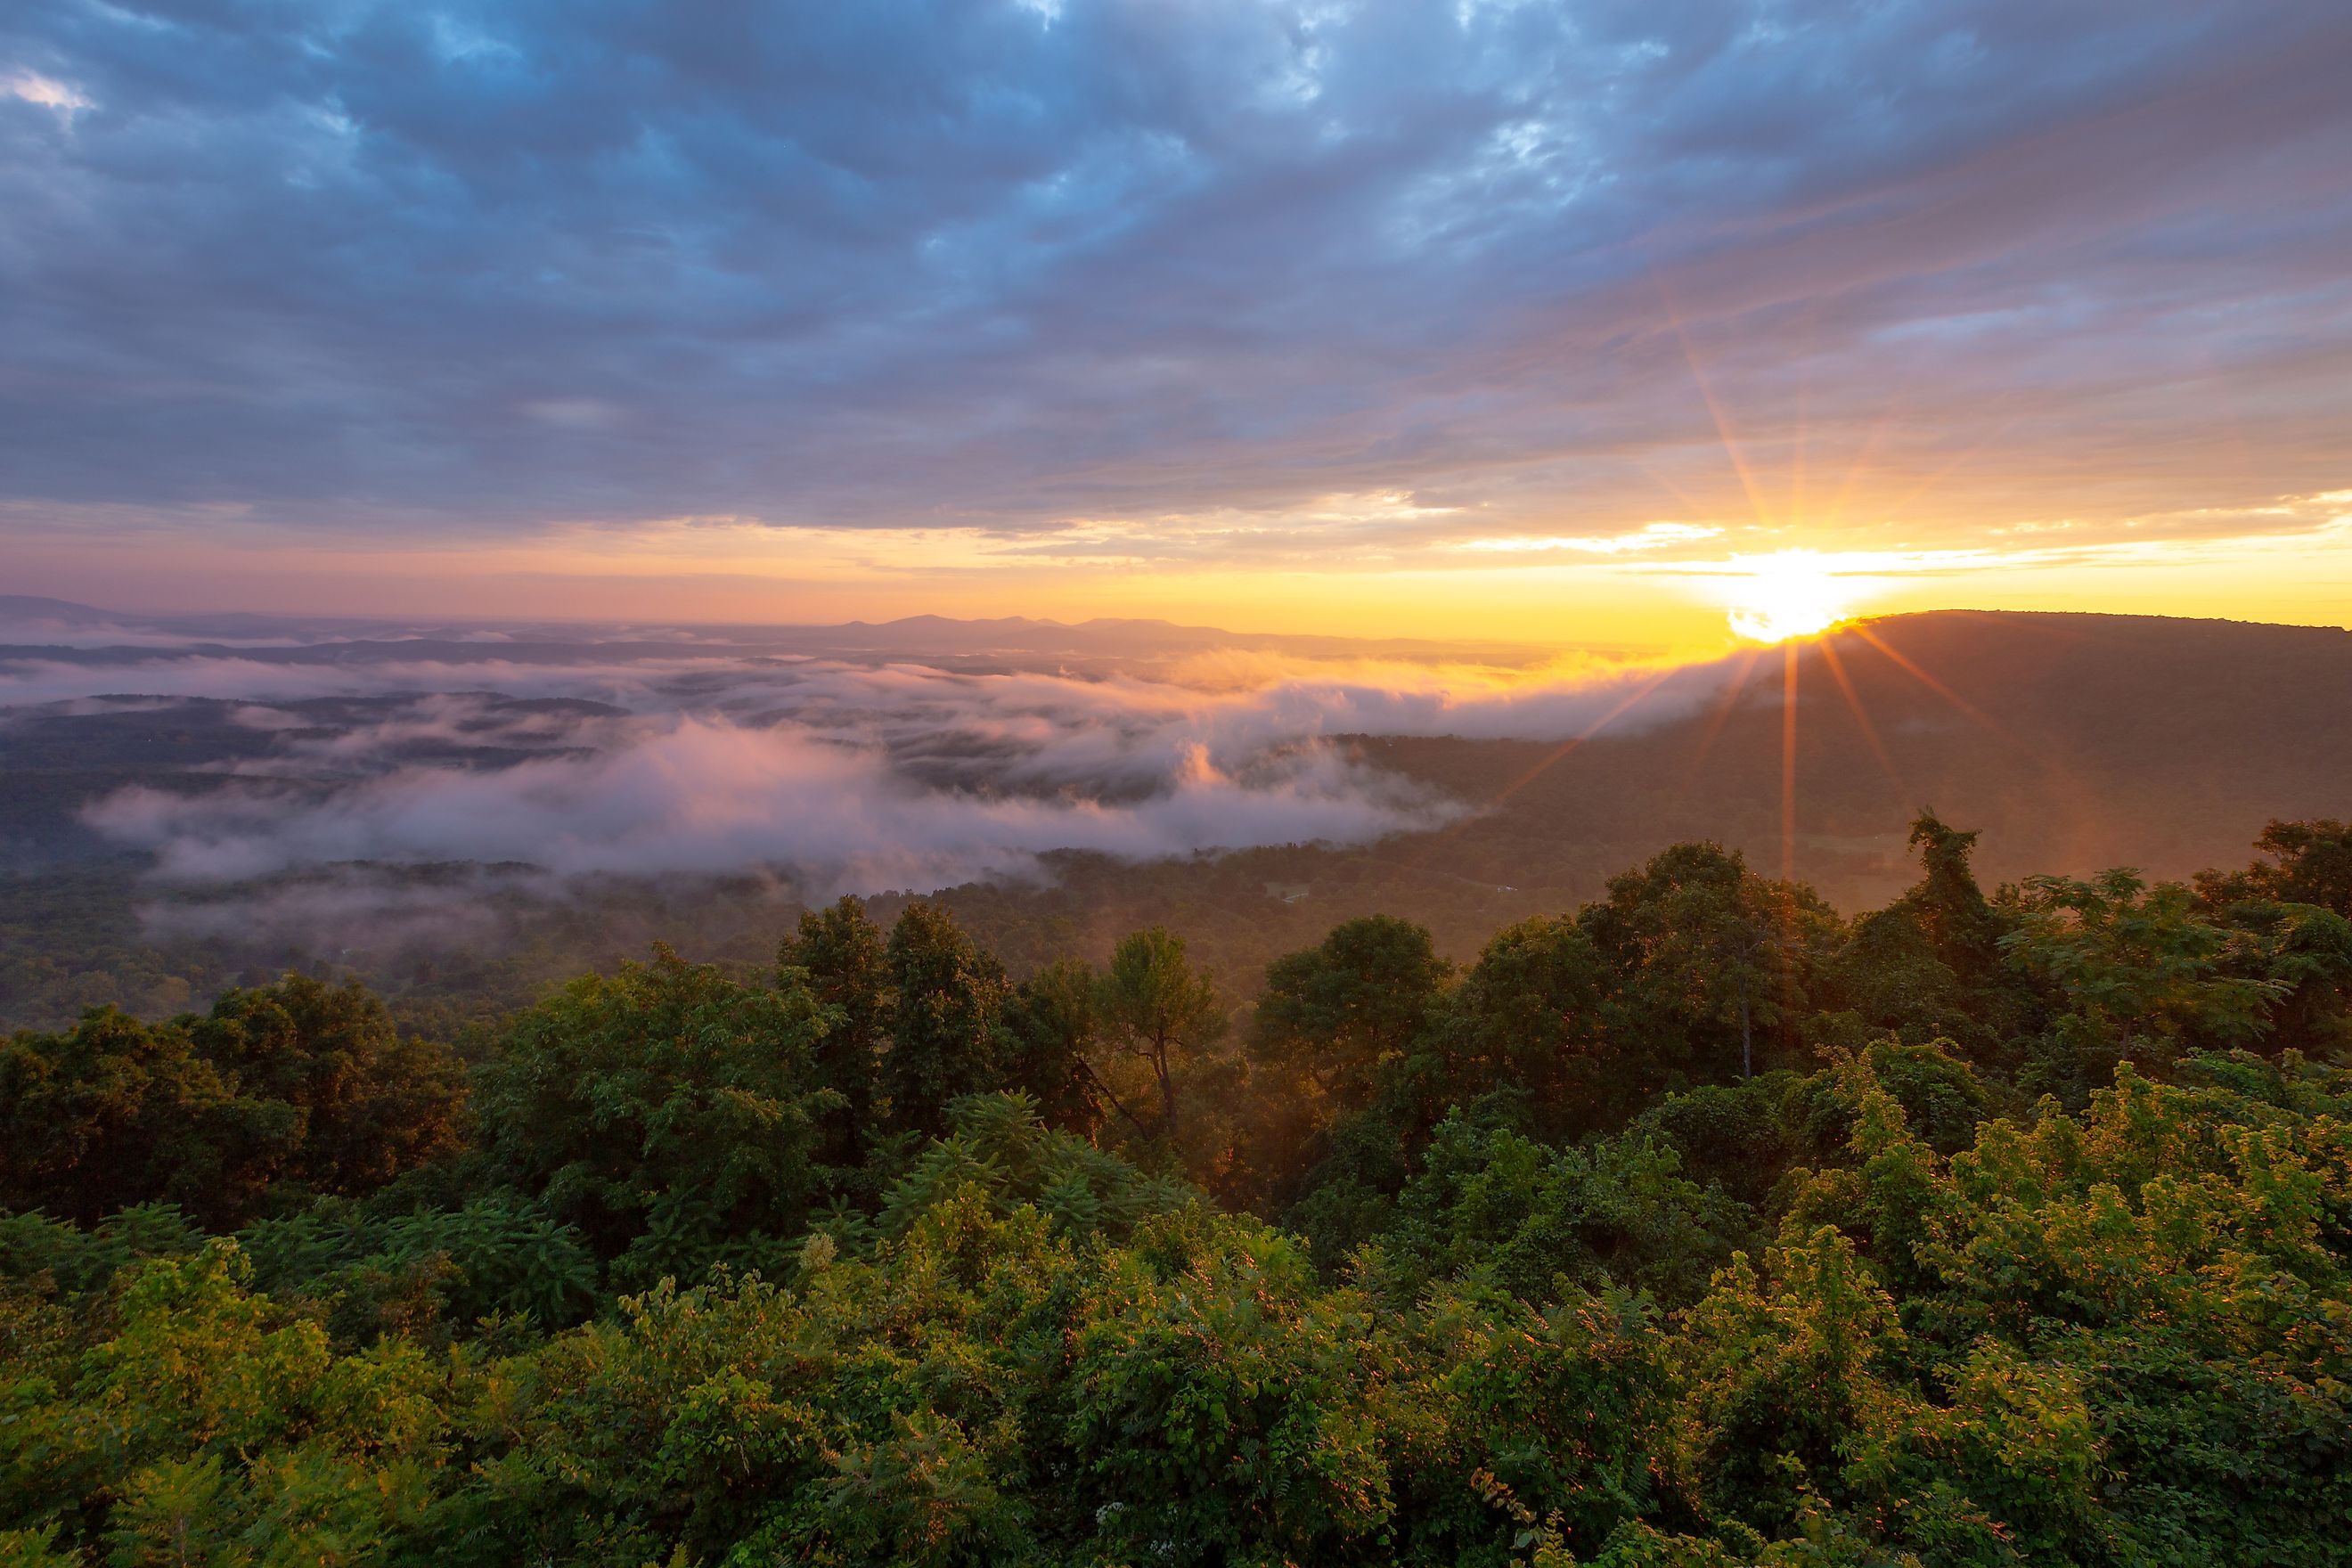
[(375, 268), (840, 775), (706, 795), (338, 909), (1649, 537)]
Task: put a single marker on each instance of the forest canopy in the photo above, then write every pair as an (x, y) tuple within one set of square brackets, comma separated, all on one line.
[(1698, 1226)]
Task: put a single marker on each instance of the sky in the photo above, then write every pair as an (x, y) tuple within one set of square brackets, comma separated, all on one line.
[(1624, 323)]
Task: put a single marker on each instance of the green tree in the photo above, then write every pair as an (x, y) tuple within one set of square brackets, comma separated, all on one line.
[(1334, 1014), (1531, 1014), (429, 1274), (2308, 863), (278, 1090), (1001, 1148), (1879, 1314), (1054, 1022), (2309, 949), (2288, 917), (2135, 966), (1959, 922), (948, 1003), (1491, 1206), (1157, 1008), (206, 1424), (843, 957), (372, 1102), (670, 1113), (1703, 946), (1930, 964), (113, 1112)]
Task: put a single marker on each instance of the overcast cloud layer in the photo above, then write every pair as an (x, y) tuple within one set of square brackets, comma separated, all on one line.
[(456, 268)]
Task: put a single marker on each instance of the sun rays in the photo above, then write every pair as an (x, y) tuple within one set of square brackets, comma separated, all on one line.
[(1788, 594)]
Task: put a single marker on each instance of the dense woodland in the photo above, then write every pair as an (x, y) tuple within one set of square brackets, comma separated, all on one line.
[(1702, 1225)]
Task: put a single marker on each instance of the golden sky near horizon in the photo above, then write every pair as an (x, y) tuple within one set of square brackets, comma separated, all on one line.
[(1570, 325), (1670, 585)]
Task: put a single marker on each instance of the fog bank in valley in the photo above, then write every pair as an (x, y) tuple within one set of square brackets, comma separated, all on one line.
[(852, 768)]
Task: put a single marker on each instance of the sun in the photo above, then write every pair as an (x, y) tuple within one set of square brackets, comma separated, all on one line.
[(1791, 594)]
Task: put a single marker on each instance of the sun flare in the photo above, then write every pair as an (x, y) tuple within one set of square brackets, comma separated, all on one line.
[(1792, 593)]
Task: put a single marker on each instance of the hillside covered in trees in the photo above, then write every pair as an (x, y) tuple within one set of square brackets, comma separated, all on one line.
[(1700, 1226)]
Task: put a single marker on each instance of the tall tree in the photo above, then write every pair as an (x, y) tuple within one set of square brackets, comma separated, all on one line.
[(667, 1111), (1930, 964), (1338, 1010), (1703, 946), (2307, 863), (374, 1102), (1156, 1007), (114, 1112), (2136, 964), (843, 956), (298, 1085), (948, 1012), (1054, 1021), (1962, 925), (1530, 1014)]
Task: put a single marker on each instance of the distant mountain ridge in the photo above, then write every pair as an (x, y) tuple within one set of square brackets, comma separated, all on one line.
[(316, 638)]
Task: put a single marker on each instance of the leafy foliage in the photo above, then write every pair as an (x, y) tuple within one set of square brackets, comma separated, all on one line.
[(296, 1085), (667, 1112), (1156, 1009), (947, 1006), (2028, 1239)]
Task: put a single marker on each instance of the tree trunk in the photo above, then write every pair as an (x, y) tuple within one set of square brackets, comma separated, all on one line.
[(1746, 1036), (1167, 1087), (1096, 1079)]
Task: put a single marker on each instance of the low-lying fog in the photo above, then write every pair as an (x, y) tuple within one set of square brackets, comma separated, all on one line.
[(853, 759)]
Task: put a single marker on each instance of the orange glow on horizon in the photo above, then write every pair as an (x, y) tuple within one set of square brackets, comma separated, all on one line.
[(1670, 590)]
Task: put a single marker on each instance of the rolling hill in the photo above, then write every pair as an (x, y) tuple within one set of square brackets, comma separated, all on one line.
[(2073, 742)]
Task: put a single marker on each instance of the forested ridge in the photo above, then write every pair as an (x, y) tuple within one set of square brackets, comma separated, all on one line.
[(1702, 1225)]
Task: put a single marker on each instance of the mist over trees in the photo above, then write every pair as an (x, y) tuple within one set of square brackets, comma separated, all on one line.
[(2084, 769), (1700, 1225)]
